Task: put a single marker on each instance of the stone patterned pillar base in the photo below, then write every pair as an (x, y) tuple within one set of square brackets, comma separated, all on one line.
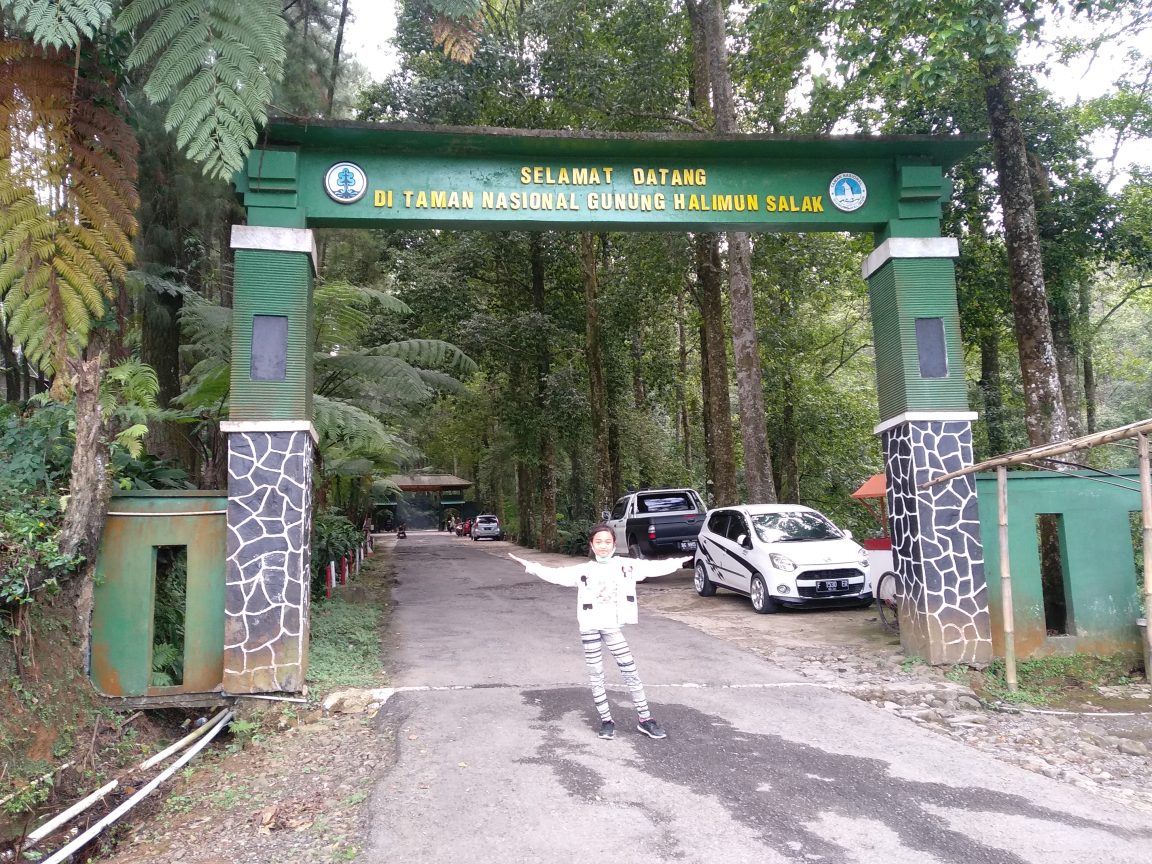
[(268, 567), (936, 539)]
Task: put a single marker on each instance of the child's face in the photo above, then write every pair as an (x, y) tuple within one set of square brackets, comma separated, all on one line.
[(603, 544)]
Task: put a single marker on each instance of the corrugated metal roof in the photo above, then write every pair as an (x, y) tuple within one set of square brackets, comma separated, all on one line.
[(428, 482)]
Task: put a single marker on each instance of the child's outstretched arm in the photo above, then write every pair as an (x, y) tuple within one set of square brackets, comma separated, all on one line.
[(566, 576), (644, 569)]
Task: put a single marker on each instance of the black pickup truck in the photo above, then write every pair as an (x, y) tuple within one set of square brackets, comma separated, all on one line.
[(657, 523)]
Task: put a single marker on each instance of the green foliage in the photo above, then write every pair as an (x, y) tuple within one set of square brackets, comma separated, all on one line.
[(1043, 680), (219, 59), (29, 531), (35, 455), (333, 537), (168, 615), (28, 798), (572, 534), (59, 23)]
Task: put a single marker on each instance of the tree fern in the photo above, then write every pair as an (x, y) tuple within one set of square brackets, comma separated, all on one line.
[(59, 23), (67, 199), (219, 60)]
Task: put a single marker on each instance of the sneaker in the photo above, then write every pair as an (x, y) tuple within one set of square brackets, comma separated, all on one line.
[(651, 728), (607, 729)]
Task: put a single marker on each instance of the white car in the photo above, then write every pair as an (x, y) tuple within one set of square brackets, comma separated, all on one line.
[(780, 554)]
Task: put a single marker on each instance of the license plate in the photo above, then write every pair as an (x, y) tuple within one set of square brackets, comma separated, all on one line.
[(832, 585), (687, 545)]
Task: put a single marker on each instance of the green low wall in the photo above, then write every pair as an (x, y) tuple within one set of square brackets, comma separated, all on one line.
[(1097, 554)]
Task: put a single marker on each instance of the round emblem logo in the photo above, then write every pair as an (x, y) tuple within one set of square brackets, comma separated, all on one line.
[(345, 182), (847, 192)]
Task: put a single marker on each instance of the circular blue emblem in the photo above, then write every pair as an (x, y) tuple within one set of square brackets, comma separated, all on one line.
[(345, 182), (847, 192)]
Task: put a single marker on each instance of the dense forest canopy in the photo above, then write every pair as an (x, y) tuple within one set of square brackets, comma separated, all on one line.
[(553, 370)]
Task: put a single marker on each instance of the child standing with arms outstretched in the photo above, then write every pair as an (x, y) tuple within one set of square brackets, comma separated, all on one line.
[(606, 600)]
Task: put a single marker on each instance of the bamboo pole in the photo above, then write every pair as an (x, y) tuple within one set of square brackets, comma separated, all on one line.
[(1009, 621), (1055, 449), (1146, 520)]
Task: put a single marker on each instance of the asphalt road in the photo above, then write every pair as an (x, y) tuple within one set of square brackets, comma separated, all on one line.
[(497, 759)]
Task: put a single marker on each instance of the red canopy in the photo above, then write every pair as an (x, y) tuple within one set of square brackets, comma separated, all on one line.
[(873, 487)]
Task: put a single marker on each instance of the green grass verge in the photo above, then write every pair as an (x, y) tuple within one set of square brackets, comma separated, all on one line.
[(1042, 680), (345, 645)]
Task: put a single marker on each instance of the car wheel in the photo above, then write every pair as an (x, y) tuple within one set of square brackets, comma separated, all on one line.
[(705, 587), (762, 601), (634, 549)]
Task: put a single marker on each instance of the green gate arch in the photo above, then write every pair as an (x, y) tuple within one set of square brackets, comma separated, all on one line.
[(340, 174)]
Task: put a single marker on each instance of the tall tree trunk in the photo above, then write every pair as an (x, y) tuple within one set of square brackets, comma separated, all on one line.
[(1067, 360), (11, 366), (88, 486), (745, 342), (1086, 359), (721, 455), (548, 542), (683, 422), (597, 390), (577, 494), (547, 436), (991, 393), (1046, 418), (525, 504), (639, 395), (336, 55), (159, 344), (789, 447)]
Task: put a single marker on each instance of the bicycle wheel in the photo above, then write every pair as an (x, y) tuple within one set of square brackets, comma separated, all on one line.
[(888, 599)]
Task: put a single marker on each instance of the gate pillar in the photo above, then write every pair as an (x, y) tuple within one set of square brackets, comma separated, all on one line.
[(926, 430), (271, 451)]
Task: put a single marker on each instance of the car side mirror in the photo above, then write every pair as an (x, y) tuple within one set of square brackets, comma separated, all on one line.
[(847, 535), (744, 541), (605, 514)]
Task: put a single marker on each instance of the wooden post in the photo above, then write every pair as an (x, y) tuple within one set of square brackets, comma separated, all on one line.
[(1146, 520), (1006, 582)]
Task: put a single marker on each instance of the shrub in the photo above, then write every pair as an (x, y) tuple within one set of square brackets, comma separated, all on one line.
[(573, 536), (333, 537)]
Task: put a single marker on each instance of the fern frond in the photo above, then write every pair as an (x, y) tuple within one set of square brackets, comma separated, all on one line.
[(340, 423), (427, 353), (442, 381), (132, 439), (60, 23), (219, 59)]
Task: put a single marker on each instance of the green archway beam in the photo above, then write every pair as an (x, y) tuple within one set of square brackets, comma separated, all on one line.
[(499, 179)]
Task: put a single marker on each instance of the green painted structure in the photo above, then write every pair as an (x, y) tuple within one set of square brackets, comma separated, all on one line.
[(900, 294), (1096, 551), (138, 524)]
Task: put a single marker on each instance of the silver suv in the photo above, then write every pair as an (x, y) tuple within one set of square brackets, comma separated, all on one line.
[(487, 526)]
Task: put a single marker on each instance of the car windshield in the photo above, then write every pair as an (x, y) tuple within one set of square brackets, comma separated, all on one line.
[(485, 520), (793, 525)]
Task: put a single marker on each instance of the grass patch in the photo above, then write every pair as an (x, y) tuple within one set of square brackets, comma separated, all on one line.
[(1043, 680), (345, 645)]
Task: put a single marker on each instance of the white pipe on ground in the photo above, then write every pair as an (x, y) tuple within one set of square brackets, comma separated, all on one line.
[(183, 742), (66, 852)]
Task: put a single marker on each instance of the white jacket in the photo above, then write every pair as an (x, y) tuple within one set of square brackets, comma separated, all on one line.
[(605, 592)]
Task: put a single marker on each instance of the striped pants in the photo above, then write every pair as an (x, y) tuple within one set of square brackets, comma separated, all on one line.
[(594, 657)]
